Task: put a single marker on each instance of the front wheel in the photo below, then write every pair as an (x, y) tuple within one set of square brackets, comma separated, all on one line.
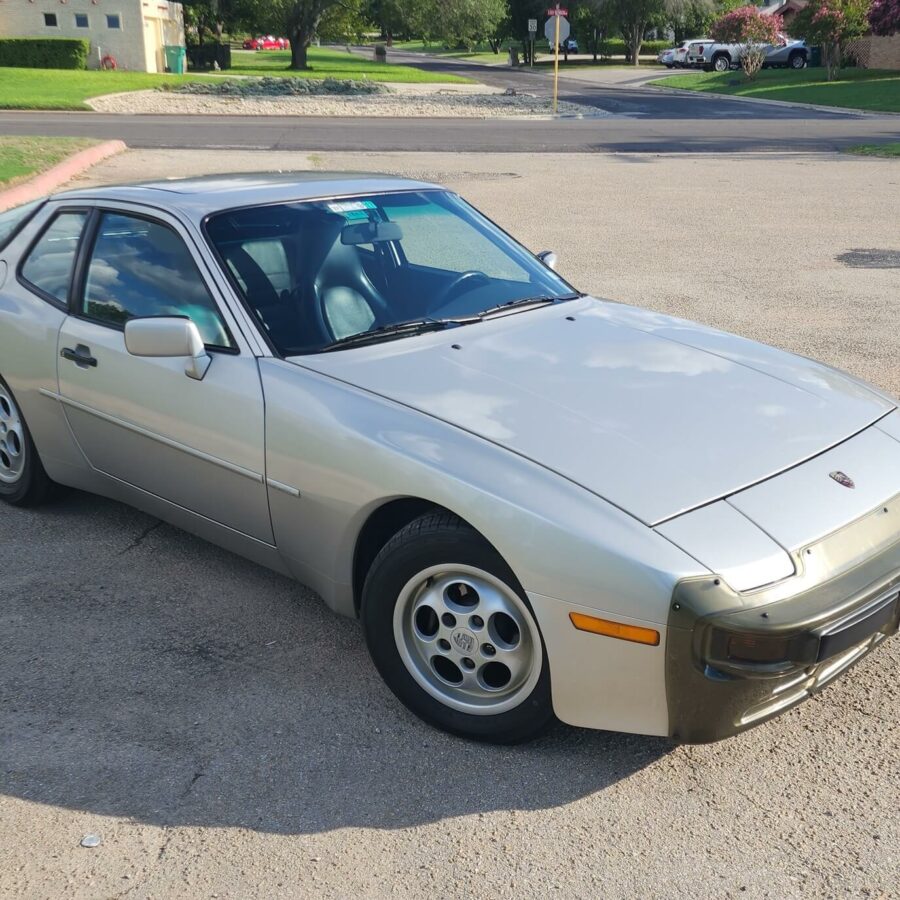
[(797, 61), (23, 481), (452, 634)]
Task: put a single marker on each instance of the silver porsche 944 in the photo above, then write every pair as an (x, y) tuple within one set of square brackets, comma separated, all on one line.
[(540, 504)]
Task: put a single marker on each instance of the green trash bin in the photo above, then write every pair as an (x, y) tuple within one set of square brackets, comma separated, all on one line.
[(175, 58)]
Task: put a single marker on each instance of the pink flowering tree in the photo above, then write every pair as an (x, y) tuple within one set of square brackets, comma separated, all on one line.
[(884, 17), (830, 24), (751, 31)]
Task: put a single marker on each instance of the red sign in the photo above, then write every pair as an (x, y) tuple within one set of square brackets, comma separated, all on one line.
[(557, 11)]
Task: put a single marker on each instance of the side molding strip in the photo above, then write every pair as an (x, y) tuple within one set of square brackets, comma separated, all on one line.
[(168, 442), (280, 486)]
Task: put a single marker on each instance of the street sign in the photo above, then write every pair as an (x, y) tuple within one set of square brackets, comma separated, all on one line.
[(557, 11), (532, 25), (550, 29)]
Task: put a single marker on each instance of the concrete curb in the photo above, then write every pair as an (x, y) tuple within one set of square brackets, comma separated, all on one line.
[(49, 181), (712, 95)]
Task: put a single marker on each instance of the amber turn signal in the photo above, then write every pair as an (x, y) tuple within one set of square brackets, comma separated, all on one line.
[(615, 629)]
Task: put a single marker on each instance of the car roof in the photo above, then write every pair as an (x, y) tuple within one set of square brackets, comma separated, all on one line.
[(199, 196)]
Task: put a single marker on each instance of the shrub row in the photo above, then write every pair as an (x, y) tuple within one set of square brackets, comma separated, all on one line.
[(44, 53), (616, 47)]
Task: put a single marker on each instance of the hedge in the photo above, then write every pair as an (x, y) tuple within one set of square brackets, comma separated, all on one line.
[(616, 47), (44, 53)]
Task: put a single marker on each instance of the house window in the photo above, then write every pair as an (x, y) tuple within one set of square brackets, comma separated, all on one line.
[(81, 20), (113, 21), (50, 20)]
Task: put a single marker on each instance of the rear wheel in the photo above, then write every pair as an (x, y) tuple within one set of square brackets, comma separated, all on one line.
[(797, 60), (452, 634), (722, 63), (23, 481)]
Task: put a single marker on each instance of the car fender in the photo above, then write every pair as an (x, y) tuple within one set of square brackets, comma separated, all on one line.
[(336, 453)]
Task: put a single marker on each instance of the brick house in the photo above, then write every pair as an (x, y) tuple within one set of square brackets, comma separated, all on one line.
[(133, 32)]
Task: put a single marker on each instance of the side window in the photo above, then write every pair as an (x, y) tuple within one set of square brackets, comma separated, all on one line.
[(11, 220), (48, 266), (140, 268)]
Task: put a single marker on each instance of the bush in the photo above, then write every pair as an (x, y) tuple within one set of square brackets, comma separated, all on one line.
[(616, 47), (44, 53), (751, 31), (884, 17)]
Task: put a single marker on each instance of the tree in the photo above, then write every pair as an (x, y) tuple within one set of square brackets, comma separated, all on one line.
[(751, 31), (408, 17), (594, 21), (298, 19), (635, 17), (466, 22), (831, 23), (214, 16), (346, 22), (516, 23), (884, 17)]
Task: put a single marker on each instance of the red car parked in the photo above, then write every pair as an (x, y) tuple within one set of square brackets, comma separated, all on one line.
[(266, 42)]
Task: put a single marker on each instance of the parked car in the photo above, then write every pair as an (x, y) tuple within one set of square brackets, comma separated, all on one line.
[(538, 503), (569, 45), (266, 42), (711, 56), (675, 57)]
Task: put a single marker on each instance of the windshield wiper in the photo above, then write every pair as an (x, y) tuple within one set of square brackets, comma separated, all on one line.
[(523, 303), (397, 329)]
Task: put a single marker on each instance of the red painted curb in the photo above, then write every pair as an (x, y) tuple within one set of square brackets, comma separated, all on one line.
[(49, 181)]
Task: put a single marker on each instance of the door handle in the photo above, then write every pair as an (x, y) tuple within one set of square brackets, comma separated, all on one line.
[(81, 356)]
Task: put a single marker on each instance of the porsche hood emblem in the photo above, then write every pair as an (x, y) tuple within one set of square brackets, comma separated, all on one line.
[(842, 479)]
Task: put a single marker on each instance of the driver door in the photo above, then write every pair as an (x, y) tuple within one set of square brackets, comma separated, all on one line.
[(198, 444)]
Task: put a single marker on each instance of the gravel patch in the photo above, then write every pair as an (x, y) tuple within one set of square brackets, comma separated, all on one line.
[(443, 102)]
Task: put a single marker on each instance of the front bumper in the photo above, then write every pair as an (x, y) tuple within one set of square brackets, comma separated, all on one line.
[(819, 632)]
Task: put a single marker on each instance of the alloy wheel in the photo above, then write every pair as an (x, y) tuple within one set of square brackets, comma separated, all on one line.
[(467, 639), (12, 440)]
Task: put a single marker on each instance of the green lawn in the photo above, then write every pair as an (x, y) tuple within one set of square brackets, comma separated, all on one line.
[(21, 157), (67, 89), (328, 63), (889, 150), (872, 89)]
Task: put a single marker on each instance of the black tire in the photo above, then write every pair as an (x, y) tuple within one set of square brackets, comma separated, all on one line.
[(721, 63), (33, 486), (438, 539), (797, 60)]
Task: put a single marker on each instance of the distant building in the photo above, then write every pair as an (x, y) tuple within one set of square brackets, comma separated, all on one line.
[(787, 9), (132, 32)]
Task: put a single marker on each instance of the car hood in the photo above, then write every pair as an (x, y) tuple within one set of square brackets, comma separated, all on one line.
[(656, 415)]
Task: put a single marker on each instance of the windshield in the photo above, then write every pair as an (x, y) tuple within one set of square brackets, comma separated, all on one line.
[(321, 272)]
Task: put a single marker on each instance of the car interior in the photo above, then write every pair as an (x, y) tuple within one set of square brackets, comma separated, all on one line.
[(314, 273)]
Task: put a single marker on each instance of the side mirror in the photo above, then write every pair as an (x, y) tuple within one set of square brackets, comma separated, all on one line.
[(548, 258), (166, 336)]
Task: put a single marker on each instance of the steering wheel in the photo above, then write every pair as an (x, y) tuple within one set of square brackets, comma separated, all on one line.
[(453, 288)]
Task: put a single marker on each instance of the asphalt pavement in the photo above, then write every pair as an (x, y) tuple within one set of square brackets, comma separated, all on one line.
[(223, 735), (642, 120)]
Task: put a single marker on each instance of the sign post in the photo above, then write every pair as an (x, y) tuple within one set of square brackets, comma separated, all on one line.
[(556, 29), (532, 31)]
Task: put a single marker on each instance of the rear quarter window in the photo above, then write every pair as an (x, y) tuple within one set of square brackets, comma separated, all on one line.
[(11, 220)]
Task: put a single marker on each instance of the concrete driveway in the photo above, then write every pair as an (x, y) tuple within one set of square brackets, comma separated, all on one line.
[(226, 736)]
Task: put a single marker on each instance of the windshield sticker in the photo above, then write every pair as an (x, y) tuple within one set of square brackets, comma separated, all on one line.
[(351, 206)]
